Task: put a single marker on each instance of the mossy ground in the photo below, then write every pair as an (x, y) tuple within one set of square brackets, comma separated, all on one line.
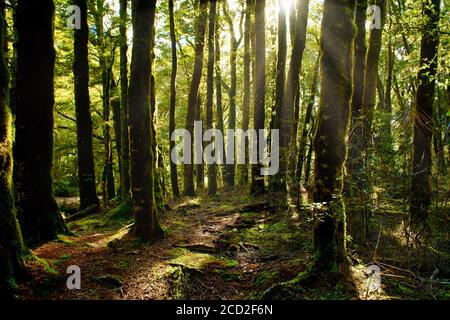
[(218, 249)]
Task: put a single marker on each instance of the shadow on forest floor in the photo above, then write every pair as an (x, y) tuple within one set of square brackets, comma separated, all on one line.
[(226, 247)]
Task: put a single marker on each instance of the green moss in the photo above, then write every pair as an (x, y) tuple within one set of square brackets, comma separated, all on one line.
[(200, 261)]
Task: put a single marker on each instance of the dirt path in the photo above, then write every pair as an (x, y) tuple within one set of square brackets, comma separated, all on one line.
[(234, 248)]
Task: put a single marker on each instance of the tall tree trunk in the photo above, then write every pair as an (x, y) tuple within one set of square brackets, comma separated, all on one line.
[(336, 42), (173, 102), (246, 90), (140, 121), (38, 213), (420, 199), (257, 186), (125, 143), (11, 244), (230, 168), (280, 76), (193, 92), (86, 169), (306, 124), (354, 163), (219, 105), (212, 174), (292, 83), (200, 171)]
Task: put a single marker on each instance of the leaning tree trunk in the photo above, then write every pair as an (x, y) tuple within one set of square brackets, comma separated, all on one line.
[(140, 121), (420, 200), (292, 82), (336, 42), (86, 169), (212, 174), (173, 93), (38, 213), (11, 244), (125, 143), (257, 185), (193, 93)]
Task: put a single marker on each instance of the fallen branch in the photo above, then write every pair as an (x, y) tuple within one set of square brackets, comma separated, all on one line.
[(83, 213)]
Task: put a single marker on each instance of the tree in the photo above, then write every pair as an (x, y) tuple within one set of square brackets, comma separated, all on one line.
[(420, 199), (173, 92), (219, 105), (280, 76), (86, 169), (125, 143), (234, 44), (38, 213), (212, 174), (193, 92), (353, 163), (257, 185), (106, 60), (246, 89), (306, 124), (336, 42), (292, 82), (140, 121), (11, 244)]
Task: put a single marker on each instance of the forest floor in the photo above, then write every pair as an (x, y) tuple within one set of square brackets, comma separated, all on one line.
[(226, 247)]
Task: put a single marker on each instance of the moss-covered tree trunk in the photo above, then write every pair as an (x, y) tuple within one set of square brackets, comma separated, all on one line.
[(189, 189), (306, 125), (353, 164), (292, 83), (124, 136), (86, 169), (173, 101), (38, 213), (212, 173), (140, 121), (11, 244), (257, 185), (336, 43), (420, 199)]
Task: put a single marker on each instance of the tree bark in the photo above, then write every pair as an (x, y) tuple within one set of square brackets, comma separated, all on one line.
[(420, 199), (125, 143), (86, 168), (11, 244), (193, 92), (38, 213), (246, 89), (140, 121), (292, 83), (230, 168), (336, 42), (353, 163), (257, 186), (280, 76), (212, 174), (173, 93)]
